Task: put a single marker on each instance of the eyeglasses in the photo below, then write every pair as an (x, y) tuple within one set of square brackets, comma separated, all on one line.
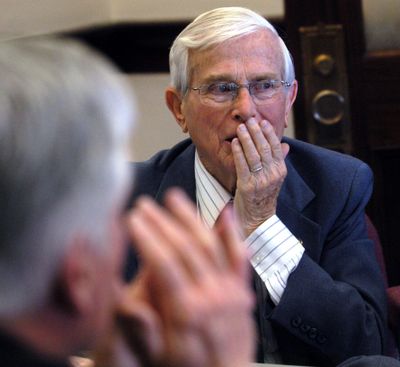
[(223, 92)]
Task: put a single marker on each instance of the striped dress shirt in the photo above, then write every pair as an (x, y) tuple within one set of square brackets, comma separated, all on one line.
[(274, 251)]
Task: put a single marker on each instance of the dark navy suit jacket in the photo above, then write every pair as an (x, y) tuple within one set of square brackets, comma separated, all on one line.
[(371, 361), (334, 304)]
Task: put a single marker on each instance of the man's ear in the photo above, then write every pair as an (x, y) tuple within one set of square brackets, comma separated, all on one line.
[(74, 290), (291, 97), (174, 102)]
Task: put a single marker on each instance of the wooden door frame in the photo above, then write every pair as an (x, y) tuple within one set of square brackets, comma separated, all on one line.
[(373, 81)]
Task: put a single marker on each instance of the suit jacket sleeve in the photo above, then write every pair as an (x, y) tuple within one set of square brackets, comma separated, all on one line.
[(370, 361)]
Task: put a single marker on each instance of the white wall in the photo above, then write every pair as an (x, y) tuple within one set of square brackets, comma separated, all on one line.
[(382, 24), (30, 17), (186, 9), (155, 128)]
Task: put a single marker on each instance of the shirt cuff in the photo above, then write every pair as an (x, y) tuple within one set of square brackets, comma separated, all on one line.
[(274, 254)]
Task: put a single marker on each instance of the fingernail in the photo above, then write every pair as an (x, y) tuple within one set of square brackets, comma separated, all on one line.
[(242, 127), (263, 123), (251, 121)]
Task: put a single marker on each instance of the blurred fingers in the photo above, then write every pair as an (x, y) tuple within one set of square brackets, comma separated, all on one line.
[(231, 240), (207, 240)]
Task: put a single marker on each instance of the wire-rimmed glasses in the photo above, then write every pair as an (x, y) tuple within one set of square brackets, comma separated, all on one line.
[(225, 92)]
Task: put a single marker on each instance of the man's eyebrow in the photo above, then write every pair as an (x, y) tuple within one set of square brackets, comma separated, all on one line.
[(218, 78), (265, 76), (228, 78)]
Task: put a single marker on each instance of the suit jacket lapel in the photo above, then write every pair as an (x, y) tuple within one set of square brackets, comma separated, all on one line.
[(294, 197)]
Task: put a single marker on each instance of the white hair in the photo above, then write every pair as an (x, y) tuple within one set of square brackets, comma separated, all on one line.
[(213, 28), (64, 117)]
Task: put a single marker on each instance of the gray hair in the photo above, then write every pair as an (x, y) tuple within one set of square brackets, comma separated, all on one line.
[(64, 117), (212, 28)]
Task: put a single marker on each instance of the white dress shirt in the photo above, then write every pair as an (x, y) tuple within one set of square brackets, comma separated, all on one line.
[(274, 251)]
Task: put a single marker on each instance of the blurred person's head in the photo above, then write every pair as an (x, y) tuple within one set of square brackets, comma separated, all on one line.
[(65, 116)]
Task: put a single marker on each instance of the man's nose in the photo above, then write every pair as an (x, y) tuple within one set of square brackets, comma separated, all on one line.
[(243, 105)]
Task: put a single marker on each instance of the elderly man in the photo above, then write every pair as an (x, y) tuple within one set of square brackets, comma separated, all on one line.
[(301, 208), (64, 118)]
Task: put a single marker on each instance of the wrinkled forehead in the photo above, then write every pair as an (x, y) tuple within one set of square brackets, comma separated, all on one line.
[(259, 51)]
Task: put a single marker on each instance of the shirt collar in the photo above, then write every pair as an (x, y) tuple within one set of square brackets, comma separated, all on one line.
[(211, 196)]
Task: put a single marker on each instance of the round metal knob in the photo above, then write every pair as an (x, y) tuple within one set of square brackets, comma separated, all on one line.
[(324, 64), (328, 107)]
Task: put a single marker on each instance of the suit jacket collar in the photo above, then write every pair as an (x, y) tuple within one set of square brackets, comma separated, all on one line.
[(295, 192)]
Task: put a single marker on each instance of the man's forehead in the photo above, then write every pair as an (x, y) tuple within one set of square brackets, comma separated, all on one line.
[(208, 73), (215, 62)]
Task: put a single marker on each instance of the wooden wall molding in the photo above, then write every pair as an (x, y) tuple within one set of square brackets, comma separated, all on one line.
[(139, 47)]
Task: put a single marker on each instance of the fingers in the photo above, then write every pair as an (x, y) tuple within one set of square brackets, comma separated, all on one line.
[(285, 150), (156, 256), (242, 168), (260, 145), (185, 212), (178, 238), (197, 289), (259, 158), (141, 328), (164, 243), (253, 143), (227, 229), (274, 142)]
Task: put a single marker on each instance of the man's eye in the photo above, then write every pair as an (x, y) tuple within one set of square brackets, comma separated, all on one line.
[(263, 85), (221, 88)]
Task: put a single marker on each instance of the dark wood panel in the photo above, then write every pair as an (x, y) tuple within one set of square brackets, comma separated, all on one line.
[(383, 124), (139, 47), (380, 65), (386, 204), (380, 88), (133, 47)]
